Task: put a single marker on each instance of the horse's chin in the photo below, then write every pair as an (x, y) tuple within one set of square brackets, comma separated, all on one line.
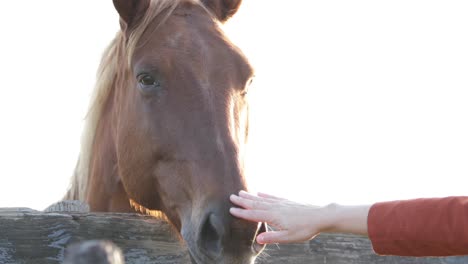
[(196, 260), (227, 254)]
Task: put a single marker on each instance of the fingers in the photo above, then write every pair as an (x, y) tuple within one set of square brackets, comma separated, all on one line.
[(254, 197), (265, 198), (269, 196), (251, 215), (249, 203), (247, 195)]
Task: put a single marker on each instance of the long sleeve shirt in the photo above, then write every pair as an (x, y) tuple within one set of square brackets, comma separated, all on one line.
[(420, 227)]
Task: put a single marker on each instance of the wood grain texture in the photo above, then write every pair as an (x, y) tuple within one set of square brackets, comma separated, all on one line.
[(68, 206), (36, 237), (342, 249), (28, 236)]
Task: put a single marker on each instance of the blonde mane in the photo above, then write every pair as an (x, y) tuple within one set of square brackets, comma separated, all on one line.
[(114, 62)]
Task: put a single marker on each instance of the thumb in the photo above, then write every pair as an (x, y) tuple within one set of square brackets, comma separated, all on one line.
[(273, 237)]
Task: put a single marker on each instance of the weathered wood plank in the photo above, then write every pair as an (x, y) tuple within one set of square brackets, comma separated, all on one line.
[(68, 206), (342, 249), (35, 237), (28, 236)]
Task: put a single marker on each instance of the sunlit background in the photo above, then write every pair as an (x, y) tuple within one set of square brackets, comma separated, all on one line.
[(354, 101)]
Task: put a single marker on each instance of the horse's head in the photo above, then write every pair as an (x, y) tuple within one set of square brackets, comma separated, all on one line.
[(182, 121)]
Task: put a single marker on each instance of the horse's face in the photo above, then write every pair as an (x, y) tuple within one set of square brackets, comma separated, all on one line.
[(182, 122)]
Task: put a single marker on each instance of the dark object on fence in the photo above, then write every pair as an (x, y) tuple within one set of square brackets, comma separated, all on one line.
[(94, 251), (28, 236)]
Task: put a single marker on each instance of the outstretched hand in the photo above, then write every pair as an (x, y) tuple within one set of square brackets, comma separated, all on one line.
[(293, 222)]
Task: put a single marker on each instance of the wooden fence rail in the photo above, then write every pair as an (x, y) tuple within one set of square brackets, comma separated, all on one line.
[(28, 236)]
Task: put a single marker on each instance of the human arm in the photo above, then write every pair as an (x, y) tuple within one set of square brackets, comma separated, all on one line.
[(420, 227), (296, 222)]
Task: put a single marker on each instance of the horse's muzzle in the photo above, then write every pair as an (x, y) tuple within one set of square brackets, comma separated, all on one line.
[(216, 241)]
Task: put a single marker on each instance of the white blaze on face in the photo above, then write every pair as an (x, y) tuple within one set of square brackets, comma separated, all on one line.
[(209, 98), (175, 39)]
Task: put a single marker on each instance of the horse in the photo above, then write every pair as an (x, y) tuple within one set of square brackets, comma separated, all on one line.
[(168, 123)]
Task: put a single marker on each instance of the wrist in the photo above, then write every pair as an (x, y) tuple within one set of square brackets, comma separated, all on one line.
[(331, 218), (346, 219)]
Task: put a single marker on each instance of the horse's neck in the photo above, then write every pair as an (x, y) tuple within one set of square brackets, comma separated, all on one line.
[(105, 190)]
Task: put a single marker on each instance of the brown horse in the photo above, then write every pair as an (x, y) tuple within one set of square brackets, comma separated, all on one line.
[(167, 125)]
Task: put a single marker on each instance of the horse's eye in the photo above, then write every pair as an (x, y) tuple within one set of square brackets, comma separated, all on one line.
[(146, 79), (148, 83), (250, 81), (247, 87)]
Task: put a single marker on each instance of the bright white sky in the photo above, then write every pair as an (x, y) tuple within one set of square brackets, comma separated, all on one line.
[(354, 101)]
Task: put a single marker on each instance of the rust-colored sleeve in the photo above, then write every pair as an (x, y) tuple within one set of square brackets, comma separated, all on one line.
[(420, 227)]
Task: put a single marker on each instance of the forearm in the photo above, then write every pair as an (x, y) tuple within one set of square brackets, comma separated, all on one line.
[(346, 219), (296, 222), (420, 227)]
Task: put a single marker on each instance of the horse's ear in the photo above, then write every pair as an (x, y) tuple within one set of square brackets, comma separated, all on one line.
[(131, 11), (223, 9)]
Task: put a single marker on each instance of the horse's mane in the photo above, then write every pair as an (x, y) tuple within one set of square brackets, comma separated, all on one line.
[(113, 63)]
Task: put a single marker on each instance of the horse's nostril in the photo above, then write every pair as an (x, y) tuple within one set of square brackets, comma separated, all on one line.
[(211, 236)]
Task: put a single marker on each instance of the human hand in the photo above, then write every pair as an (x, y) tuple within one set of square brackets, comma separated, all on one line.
[(293, 222)]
